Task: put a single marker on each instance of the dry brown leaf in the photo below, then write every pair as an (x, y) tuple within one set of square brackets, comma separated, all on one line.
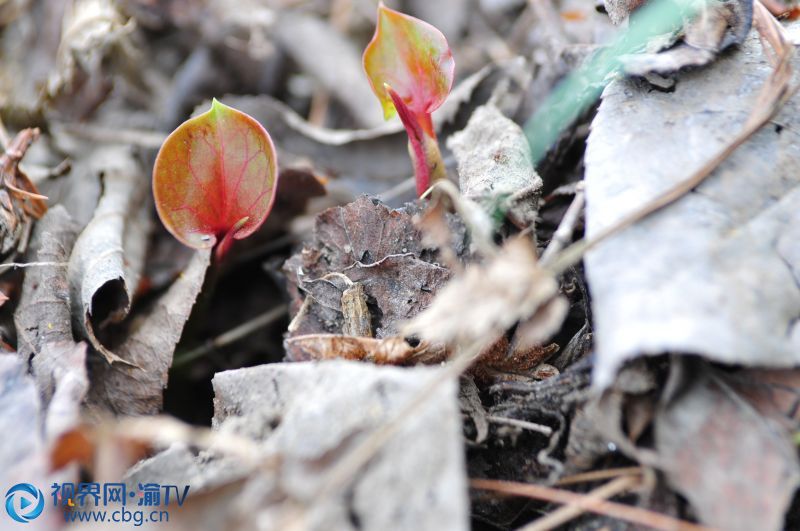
[(370, 244), (390, 350)]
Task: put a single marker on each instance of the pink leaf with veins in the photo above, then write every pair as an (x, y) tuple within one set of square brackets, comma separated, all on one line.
[(215, 178), (410, 68), (413, 58)]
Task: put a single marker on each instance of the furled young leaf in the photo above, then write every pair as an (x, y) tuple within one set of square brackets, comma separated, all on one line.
[(413, 58), (215, 178), (410, 69)]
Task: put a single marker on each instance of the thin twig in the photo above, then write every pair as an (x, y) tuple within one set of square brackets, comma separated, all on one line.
[(379, 262), (620, 511), (570, 511), (231, 336), (563, 234), (599, 475), (34, 264), (523, 424)]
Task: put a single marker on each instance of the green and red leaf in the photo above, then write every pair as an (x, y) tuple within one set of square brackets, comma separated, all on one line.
[(413, 58), (215, 178)]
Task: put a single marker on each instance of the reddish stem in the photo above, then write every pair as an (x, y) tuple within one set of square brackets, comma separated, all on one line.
[(225, 244), (422, 143)]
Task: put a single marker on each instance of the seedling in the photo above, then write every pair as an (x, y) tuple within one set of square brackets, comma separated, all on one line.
[(410, 68), (214, 179)]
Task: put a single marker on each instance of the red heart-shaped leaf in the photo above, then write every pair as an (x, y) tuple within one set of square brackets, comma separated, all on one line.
[(215, 178), (413, 58)]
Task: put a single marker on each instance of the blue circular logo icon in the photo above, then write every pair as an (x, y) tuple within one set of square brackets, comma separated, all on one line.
[(24, 502)]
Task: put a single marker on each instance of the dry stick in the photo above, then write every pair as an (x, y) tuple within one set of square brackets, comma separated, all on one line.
[(522, 424), (620, 511), (564, 514), (33, 264), (598, 475), (563, 233), (773, 95), (232, 335)]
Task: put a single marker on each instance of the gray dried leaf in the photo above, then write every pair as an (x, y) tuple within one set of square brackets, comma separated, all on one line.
[(19, 422), (59, 369), (416, 481), (94, 35), (495, 166), (28, 429), (29, 47), (136, 386), (711, 441), (715, 26), (108, 256), (717, 273), (43, 313)]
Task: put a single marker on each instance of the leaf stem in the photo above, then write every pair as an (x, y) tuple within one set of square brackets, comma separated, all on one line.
[(423, 145)]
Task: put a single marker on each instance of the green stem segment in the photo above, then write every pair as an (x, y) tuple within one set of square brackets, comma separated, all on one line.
[(422, 144)]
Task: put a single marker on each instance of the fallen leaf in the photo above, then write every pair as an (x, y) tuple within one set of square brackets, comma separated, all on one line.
[(495, 166), (136, 386), (59, 368), (709, 27), (715, 274), (370, 244), (417, 480), (19, 422), (22, 423), (108, 256), (737, 467)]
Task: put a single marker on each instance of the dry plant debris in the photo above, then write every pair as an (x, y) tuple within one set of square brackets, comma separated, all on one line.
[(585, 317)]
